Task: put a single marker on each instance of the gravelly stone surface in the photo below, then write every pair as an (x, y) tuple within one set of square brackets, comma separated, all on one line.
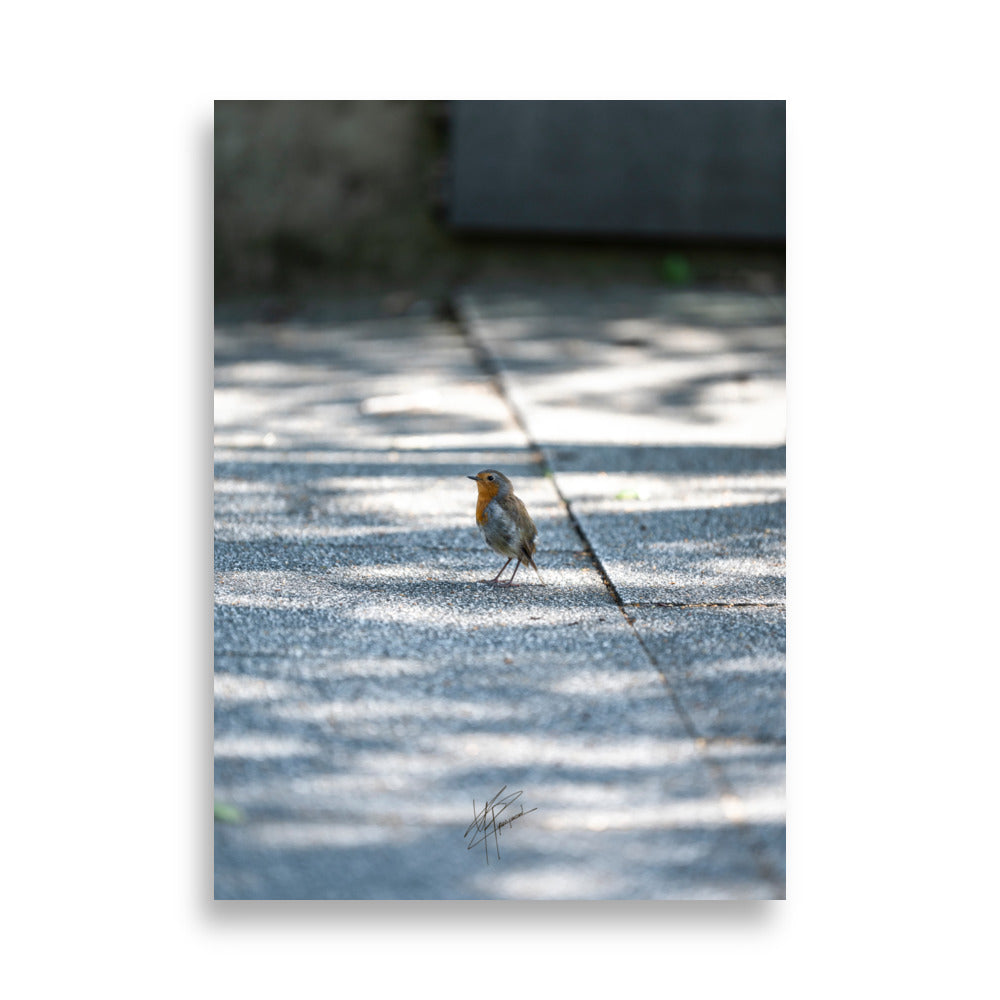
[(369, 686), (663, 417), (726, 664)]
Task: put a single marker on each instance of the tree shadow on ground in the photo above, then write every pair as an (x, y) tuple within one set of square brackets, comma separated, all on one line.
[(369, 689), (367, 732)]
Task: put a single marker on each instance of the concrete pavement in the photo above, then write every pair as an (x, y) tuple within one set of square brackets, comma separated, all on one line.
[(369, 686)]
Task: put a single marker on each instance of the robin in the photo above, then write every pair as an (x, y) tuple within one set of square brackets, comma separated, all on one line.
[(505, 522)]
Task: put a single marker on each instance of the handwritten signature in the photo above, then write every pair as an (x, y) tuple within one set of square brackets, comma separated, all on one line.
[(490, 820)]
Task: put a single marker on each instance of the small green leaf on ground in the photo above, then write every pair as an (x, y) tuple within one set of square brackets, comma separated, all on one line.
[(227, 814), (628, 495)]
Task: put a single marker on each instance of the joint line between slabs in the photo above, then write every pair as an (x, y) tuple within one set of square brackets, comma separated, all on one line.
[(704, 604), (465, 324), (492, 368)]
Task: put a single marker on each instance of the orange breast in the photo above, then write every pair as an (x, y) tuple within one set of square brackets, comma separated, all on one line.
[(481, 504), (487, 491)]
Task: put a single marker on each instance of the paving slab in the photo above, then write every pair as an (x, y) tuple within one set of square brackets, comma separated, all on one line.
[(661, 415), (369, 685)]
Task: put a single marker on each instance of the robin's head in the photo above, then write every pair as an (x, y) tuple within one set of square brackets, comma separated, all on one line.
[(491, 483)]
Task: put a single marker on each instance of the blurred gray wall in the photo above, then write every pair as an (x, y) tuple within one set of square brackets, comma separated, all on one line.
[(313, 191), (679, 169), (334, 195)]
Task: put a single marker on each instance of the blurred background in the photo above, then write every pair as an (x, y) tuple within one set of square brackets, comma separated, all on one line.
[(399, 202)]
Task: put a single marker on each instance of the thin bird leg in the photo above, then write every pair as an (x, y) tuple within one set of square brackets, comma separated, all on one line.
[(510, 582), (493, 582)]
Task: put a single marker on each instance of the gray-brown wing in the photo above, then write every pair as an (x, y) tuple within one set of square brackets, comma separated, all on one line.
[(528, 549)]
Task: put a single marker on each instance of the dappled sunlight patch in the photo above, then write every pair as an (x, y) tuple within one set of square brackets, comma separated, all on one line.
[(270, 589), (656, 492), (376, 667), (654, 402), (433, 787), (551, 881), (299, 834), (521, 749), (279, 527), (708, 371), (756, 805), (371, 710), (727, 568), (588, 682), (525, 606), (700, 564), (261, 746), (239, 688), (743, 667), (380, 792), (665, 815), (225, 487), (476, 399), (693, 582)]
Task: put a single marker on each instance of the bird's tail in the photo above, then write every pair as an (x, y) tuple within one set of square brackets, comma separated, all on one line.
[(531, 563)]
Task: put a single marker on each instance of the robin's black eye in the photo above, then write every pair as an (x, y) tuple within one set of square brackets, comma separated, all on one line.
[(490, 478)]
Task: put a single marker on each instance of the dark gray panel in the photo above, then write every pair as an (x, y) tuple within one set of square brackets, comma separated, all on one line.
[(710, 169)]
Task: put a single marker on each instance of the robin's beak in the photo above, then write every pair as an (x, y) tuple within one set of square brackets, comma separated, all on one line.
[(475, 479)]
